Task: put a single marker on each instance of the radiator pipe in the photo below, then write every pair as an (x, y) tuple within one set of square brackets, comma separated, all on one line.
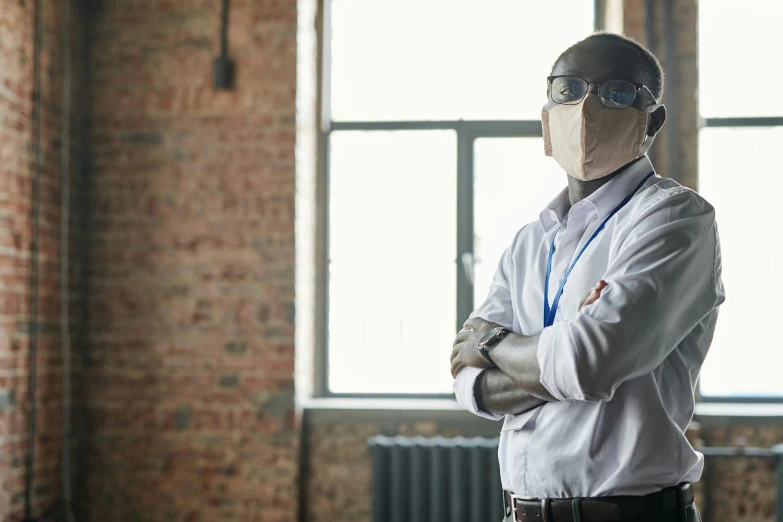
[(65, 202), (778, 451), (35, 214)]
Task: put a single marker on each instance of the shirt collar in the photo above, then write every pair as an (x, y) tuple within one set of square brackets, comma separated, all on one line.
[(603, 200)]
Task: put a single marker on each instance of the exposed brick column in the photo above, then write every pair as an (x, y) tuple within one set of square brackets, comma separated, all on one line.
[(190, 382), (16, 196), (683, 80)]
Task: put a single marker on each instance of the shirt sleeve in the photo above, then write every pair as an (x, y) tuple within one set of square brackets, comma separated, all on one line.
[(496, 308), (463, 390), (663, 281)]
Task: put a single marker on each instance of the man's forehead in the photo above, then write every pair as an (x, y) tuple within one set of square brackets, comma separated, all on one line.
[(599, 61)]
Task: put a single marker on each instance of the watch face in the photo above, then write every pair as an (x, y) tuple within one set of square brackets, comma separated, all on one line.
[(491, 335)]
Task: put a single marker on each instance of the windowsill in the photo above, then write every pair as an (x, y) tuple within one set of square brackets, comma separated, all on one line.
[(703, 409), (395, 404), (738, 409), (389, 415), (734, 413)]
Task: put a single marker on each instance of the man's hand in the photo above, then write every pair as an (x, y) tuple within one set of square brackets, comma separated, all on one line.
[(593, 295), (465, 352)]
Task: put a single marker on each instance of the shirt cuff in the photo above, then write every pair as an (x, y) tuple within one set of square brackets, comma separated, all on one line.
[(463, 390)]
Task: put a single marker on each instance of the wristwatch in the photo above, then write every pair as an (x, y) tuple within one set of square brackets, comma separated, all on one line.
[(490, 340)]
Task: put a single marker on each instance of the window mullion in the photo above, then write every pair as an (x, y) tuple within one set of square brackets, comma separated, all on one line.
[(465, 258)]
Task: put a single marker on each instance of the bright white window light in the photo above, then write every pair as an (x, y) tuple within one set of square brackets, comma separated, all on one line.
[(737, 165), (448, 59), (393, 194)]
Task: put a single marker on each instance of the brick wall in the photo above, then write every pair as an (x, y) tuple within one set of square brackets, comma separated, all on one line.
[(681, 83), (189, 382), (15, 173), (740, 488), (17, 134)]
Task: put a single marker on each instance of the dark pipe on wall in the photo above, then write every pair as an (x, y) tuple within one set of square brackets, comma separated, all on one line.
[(35, 213), (223, 67)]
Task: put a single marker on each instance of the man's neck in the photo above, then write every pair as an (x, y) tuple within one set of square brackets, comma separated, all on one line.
[(579, 190)]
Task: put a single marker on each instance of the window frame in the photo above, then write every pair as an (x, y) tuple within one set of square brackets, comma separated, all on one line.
[(467, 131), (736, 122)]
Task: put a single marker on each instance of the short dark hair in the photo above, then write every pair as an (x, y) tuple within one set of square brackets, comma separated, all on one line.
[(653, 69)]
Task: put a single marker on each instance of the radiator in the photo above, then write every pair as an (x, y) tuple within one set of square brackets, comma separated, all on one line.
[(435, 479)]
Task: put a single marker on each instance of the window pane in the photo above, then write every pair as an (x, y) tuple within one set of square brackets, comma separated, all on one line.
[(737, 71), (736, 165), (392, 286), (513, 183), (448, 59)]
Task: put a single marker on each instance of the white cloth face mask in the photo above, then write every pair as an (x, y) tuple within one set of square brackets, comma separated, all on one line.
[(590, 141)]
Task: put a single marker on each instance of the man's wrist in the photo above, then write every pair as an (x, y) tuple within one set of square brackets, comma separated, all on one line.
[(516, 356), (477, 385), (492, 339), (511, 348), (509, 341), (478, 391)]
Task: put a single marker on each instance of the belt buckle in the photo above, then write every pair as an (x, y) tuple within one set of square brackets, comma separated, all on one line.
[(514, 504)]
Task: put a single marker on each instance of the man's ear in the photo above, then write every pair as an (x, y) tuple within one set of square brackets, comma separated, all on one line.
[(655, 121)]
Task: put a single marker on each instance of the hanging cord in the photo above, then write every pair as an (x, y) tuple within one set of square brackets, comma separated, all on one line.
[(65, 203), (224, 29), (222, 67), (35, 213)]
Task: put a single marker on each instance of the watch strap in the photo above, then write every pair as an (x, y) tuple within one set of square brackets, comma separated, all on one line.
[(485, 354), (498, 335)]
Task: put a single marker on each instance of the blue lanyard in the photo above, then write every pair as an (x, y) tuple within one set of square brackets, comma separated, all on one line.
[(549, 313)]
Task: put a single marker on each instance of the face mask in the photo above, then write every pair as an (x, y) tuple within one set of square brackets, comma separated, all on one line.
[(590, 141)]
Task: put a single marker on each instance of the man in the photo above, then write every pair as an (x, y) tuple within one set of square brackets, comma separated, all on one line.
[(600, 313)]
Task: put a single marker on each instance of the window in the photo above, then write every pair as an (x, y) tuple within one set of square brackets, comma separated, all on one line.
[(434, 159), (739, 146)]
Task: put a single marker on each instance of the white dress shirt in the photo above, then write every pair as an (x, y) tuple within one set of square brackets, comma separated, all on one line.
[(623, 369)]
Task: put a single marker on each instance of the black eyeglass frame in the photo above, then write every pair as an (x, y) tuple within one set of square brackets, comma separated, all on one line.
[(639, 86)]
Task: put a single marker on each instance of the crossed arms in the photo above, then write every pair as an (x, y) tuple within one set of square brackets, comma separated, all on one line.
[(514, 385), (664, 279)]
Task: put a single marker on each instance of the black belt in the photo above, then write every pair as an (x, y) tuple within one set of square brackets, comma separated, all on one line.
[(654, 506)]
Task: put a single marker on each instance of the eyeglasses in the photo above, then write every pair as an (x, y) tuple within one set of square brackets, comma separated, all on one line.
[(614, 94)]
